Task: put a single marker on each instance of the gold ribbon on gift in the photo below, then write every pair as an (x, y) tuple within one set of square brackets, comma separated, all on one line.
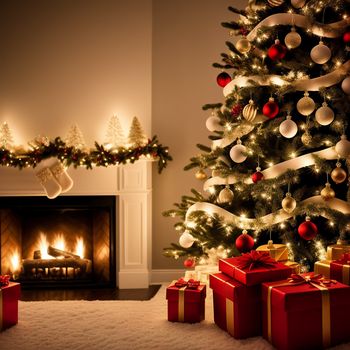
[(230, 316), (326, 308), (181, 306), (346, 274)]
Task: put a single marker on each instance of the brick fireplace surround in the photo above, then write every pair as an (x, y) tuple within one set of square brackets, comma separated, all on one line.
[(132, 184)]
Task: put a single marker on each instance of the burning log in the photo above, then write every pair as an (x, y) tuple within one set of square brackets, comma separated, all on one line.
[(58, 252), (78, 264), (37, 254)]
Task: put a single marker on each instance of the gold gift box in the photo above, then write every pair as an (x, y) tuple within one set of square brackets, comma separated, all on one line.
[(279, 252), (335, 251), (323, 267), (293, 265)]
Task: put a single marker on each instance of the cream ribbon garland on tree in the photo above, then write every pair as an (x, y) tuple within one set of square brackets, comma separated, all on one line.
[(278, 169), (331, 30), (267, 220), (314, 84)]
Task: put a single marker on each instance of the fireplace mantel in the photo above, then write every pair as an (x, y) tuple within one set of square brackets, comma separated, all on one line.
[(132, 184)]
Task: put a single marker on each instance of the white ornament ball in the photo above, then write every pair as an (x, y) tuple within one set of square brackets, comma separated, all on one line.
[(321, 53), (288, 128), (343, 147), (306, 105), (292, 39), (186, 240), (243, 45), (225, 195), (213, 124), (345, 85), (237, 153), (324, 115), (298, 4), (249, 111)]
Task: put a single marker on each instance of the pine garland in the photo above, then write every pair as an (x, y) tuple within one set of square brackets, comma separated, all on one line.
[(96, 157)]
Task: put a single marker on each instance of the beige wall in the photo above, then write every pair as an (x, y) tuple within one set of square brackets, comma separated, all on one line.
[(80, 61), (74, 61), (187, 39)]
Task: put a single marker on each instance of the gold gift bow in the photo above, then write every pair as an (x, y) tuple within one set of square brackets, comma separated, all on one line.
[(230, 311), (326, 310)]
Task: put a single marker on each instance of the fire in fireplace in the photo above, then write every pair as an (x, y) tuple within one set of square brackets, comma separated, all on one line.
[(65, 241)]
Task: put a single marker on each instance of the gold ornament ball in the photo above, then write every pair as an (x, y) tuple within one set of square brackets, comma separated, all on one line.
[(225, 195), (249, 111), (324, 115), (327, 192), (298, 4), (201, 175), (275, 3), (338, 175), (321, 53), (243, 45), (289, 203), (306, 138), (292, 39), (306, 105), (342, 147)]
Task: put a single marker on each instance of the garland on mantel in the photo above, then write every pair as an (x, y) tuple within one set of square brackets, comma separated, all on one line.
[(96, 157)]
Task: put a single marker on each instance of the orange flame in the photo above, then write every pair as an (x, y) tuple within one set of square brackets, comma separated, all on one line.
[(79, 247), (15, 262)]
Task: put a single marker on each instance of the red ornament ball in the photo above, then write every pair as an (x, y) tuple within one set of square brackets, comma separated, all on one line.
[(257, 176), (244, 242), (189, 262), (223, 79), (236, 110), (307, 230), (346, 37), (277, 51), (270, 109)]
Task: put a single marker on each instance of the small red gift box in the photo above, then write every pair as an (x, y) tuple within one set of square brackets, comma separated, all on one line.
[(306, 312), (254, 268), (237, 308), (9, 296), (340, 269), (186, 301)]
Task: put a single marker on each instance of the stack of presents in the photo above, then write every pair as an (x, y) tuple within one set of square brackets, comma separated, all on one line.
[(262, 293), (9, 296)]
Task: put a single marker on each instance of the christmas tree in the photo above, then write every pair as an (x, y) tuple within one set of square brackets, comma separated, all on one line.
[(136, 136), (75, 138), (278, 162), (115, 136), (6, 138)]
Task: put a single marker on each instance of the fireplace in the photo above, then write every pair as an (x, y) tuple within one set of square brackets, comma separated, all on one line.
[(130, 184), (69, 241)]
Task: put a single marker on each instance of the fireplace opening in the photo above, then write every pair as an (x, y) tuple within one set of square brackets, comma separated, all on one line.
[(69, 241)]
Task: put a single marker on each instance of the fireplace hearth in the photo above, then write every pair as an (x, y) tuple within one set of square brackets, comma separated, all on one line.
[(69, 241)]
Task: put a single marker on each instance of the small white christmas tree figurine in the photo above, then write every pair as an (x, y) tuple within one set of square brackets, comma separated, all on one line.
[(137, 137), (75, 138), (6, 138), (115, 136)]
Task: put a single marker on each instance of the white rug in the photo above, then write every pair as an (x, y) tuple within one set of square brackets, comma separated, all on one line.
[(122, 325)]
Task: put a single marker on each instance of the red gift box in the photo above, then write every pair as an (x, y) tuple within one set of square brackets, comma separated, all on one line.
[(237, 308), (9, 296), (306, 312), (186, 303), (340, 269), (254, 268)]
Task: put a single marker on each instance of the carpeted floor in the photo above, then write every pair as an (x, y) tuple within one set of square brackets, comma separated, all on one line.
[(112, 325)]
